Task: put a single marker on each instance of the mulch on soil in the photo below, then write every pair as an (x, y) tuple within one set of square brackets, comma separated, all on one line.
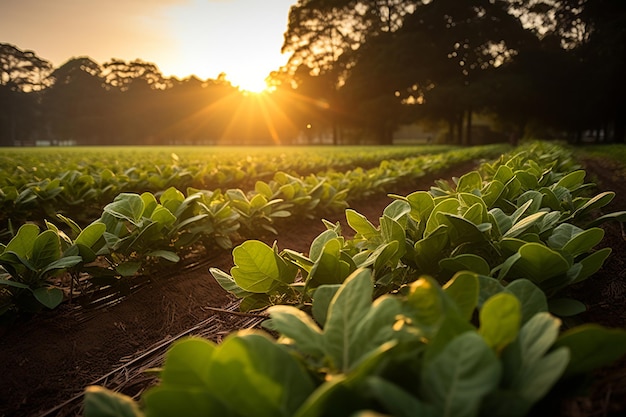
[(47, 362)]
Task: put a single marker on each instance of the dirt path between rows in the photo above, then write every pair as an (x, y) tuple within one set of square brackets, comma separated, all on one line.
[(46, 362)]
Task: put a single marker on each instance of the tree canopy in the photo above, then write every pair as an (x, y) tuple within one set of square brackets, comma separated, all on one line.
[(358, 70)]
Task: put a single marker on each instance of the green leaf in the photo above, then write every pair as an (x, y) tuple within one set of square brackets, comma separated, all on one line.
[(126, 206), (469, 182), (531, 298), (128, 269), (149, 204), (591, 347), (165, 254), (258, 377), (101, 402), (572, 181), (566, 307), (466, 262), (322, 298), (430, 250), (426, 302), (456, 380), (228, 283), (539, 263), (500, 319), (257, 269), (49, 297), (299, 327), (592, 263), (330, 268), (91, 234), (396, 400), (349, 306), (361, 225), (422, 204), (163, 216), (524, 224), (22, 242), (594, 203), (317, 246), (463, 289), (46, 249)]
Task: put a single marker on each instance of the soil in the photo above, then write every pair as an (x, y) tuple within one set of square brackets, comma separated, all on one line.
[(47, 361)]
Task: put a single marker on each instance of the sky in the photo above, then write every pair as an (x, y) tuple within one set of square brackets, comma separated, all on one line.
[(241, 38)]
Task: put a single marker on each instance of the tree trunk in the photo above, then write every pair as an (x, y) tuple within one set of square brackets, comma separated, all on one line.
[(468, 128)]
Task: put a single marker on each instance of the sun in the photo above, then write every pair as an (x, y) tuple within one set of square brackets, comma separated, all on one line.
[(250, 84)]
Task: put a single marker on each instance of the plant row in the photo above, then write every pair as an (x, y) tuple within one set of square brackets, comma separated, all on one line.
[(41, 182), (527, 215), (373, 335), (387, 323), (136, 232)]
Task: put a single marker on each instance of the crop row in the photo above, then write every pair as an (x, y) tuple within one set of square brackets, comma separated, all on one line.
[(35, 182), (441, 310), (137, 231)]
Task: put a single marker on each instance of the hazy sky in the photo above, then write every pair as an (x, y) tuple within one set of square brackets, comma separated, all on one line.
[(182, 37)]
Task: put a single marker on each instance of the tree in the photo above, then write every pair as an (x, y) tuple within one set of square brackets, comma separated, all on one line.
[(22, 75), (75, 105)]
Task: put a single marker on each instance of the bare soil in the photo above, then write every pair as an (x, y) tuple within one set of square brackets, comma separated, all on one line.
[(47, 361)]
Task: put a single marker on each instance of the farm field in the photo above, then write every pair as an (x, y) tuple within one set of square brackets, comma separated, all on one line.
[(51, 357)]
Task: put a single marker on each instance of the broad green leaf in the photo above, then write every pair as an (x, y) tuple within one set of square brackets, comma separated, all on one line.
[(397, 211), (457, 379), (488, 287), (504, 174), (49, 297), (422, 205), (22, 242), (619, 216), (361, 225), (572, 181), (299, 328), (256, 269), (426, 302), (128, 269), (243, 372), (462, 230), (451, 327), (594, 203), (534, 197), (126, 206), (62, 263), (317, 246), (329, 268), (396, 400), (149, 202), (584, 241), (539, 263), (46, 249), (591, 347), (531, 298), (449, 205), (12, 283), (469, 182), (524, 224), (566, 307), (262, 188), (500, 318), (171, 199), (347, 309), (228, 283), (374, 330), (322, 298), (463, 289), (163, 216), (165, 254), (492, 192), (91, 234), (592, 263), (101, 402), (430, 250), (465, 262)]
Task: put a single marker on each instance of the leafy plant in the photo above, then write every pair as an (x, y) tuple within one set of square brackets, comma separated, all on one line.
[(397, 355)]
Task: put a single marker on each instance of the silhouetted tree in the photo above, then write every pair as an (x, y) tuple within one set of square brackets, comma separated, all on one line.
[(22, 76)]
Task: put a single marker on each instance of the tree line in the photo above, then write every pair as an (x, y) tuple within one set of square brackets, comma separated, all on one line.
[(358, 70)]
